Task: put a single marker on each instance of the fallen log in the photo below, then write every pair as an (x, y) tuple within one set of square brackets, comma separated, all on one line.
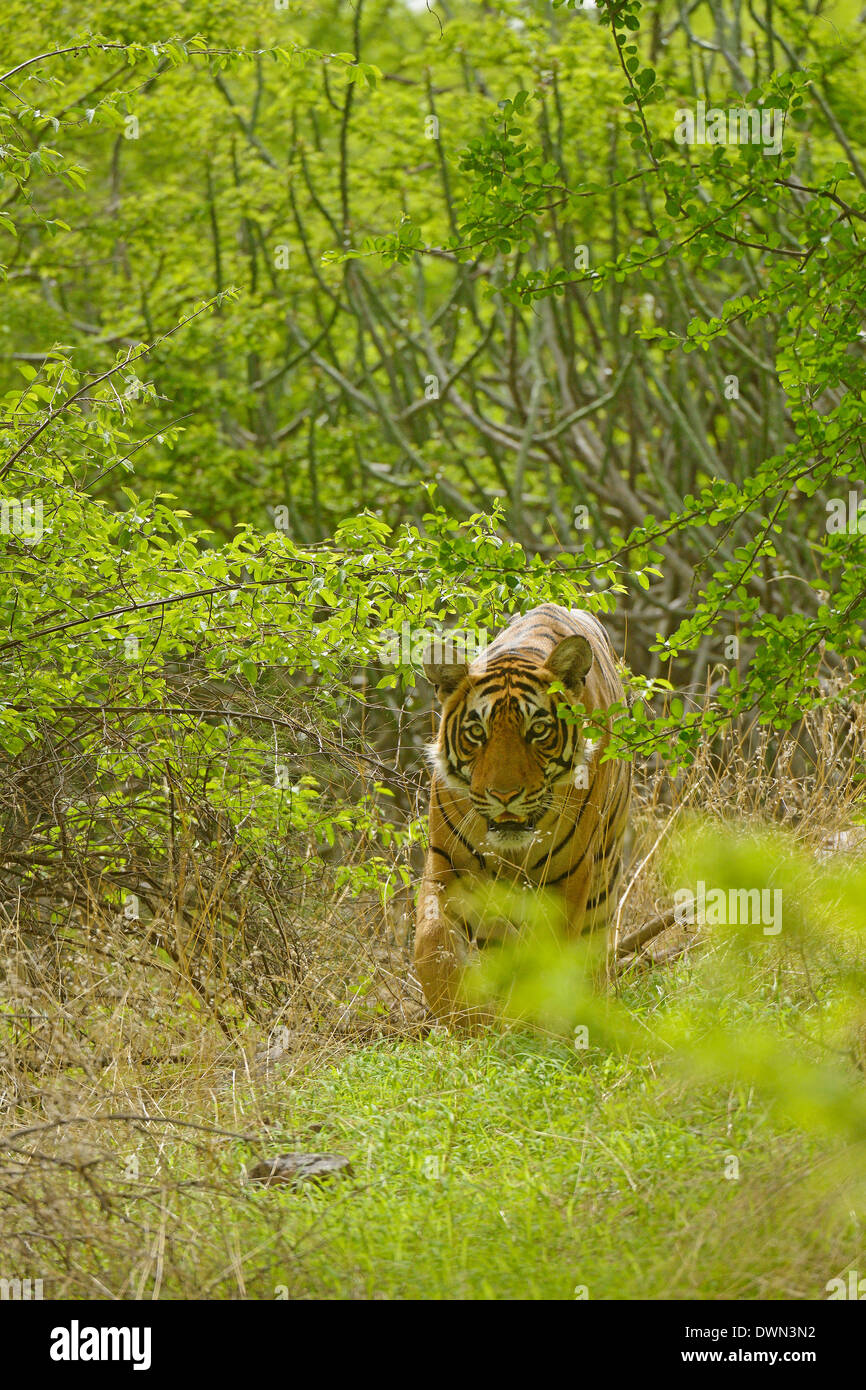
[(627, 945)]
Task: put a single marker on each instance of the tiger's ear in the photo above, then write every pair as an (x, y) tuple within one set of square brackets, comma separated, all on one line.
[(446, 676), (570, 660)]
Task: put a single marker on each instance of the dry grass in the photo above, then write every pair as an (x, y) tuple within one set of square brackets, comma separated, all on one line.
[(134, 1085), (806, 781)]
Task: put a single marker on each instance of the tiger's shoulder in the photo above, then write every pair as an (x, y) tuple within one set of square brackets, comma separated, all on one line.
[(559, 621), (533, 635)]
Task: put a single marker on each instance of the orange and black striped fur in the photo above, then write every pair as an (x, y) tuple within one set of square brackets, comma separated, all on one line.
[(518, 793)]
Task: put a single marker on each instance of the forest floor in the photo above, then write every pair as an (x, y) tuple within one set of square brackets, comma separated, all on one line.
[(508, 1165), (504, 1166)]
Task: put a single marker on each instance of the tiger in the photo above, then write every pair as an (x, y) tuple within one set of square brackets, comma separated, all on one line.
[(518, 793)]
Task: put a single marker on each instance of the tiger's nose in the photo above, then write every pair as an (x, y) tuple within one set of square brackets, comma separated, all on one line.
[(506, 797)]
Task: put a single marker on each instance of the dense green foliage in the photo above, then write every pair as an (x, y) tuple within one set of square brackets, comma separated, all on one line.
[(203, 225), (327, 327), (637, 357)]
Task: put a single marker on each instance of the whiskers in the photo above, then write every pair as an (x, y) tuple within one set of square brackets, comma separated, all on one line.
[(461, 830)]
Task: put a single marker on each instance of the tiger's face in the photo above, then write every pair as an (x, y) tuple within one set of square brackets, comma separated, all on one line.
[(501, 742)]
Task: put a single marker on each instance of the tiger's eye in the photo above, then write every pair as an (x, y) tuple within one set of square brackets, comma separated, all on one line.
[(539, 728)]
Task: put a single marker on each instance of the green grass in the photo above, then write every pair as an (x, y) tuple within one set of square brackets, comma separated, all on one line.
[(504, 1167), (507, 1166), (554, 1172)]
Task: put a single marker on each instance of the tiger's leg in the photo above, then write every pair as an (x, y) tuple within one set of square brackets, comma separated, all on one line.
[(611, 859), (592, 895), (439, 951), (443, 949), (604, 887)]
